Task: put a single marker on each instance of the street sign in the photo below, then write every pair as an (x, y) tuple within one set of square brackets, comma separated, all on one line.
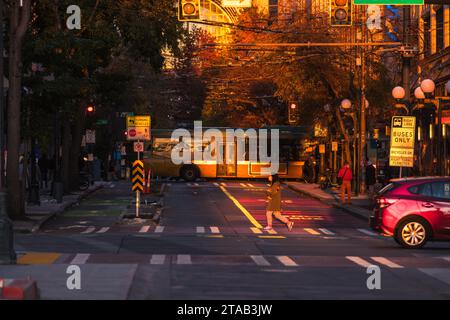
[(389, 2), (237, 3), (334, 146), (322, 148), (137, 176), (138, 128), (90, 136), (101, 122), (402, 141), (138, 147)]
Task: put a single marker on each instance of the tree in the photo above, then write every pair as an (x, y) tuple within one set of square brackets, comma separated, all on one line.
[(18, 23)]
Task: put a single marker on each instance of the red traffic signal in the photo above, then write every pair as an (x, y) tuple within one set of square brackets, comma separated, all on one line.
[(341, 13), (90, 109), (188, 10)]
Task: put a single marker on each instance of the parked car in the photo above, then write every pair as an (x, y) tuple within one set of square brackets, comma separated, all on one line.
[(414, 210)]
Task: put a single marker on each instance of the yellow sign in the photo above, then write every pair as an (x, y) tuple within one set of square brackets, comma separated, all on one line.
[(321, 148), (137, 176), (138, 127), (402, 141), (334, 146)]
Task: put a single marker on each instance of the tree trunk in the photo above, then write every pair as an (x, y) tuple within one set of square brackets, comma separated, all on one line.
[(77, 136), (66, 145), (20, 17)]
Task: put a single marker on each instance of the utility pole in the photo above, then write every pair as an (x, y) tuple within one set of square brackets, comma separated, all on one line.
[(7, 253), (362, 108), (406, 59)]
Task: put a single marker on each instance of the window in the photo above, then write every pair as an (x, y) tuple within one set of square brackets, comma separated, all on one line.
[(273, 10), (426, 35), (441, 190), (440, 29)]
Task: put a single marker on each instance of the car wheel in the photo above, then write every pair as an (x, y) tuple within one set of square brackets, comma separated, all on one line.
[(413, 233), (189, 173)]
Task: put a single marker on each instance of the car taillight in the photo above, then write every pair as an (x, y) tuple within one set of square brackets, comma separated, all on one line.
[(385, 202)]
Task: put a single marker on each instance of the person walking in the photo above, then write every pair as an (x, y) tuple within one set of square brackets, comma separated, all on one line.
[(43, 164), (274, 204), (371, 179), (345, 176)]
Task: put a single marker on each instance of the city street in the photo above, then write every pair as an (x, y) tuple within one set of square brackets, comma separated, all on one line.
[(209, 244)]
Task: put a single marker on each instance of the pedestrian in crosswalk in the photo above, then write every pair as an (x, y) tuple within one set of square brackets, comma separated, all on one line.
[(274, 203)]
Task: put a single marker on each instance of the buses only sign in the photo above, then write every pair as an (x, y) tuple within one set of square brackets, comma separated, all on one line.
[(403, 131)]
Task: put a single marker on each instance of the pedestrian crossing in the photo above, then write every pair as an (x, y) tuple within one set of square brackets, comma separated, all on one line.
[(318, 231), (184, 259)]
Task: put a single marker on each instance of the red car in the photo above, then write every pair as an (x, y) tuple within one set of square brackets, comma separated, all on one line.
[(414, 210)]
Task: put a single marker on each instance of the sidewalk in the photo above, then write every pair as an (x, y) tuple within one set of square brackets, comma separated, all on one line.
[(361, 205), (38, 215)]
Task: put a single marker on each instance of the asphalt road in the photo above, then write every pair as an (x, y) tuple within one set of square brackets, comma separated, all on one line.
[(209, 244)]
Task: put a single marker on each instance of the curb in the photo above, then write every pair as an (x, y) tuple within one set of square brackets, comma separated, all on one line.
[(360, 213), (38, 225)]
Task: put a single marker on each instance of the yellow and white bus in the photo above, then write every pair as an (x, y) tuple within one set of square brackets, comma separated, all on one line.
[(157, 157)]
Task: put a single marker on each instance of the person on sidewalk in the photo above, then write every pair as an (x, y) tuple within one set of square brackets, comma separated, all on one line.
[(371, 178), (274, 204), (345, 176)]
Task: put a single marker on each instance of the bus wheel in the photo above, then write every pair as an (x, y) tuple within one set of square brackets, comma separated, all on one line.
[(189, 173)]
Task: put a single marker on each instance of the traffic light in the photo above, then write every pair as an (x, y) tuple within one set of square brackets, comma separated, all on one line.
[(90, 109), (188, 10), (293, 113), (341, 13)]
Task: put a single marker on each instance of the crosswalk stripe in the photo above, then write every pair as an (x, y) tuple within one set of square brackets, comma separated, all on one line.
[(243, 185), (189, 184), (256, 230), (89, 230), (184, 259), (144, 229), (386, 262), (159, 229), (287, 261), (250, 185), (260, 260), (196, 184), (200, 229), (271, 231), (326, 231), (359, 261), (158, 259), (446, 258), (311, 231), (215, 230), (216, 184), (80, 258), (223, 184), (367, 232), (103, 230)]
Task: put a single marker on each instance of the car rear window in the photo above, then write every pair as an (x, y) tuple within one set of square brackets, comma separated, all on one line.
[(391, 186)]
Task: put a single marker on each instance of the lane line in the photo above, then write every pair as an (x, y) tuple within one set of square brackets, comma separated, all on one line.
[(89, 230), (200, 229), (387, 262), (311, 231), (359, 261), (326, 231), (214, 230), (244, 211), (288, 262), (158, 259), (250, 185), (184, 259), (367, 232), (260, 260), (80, 258), (103, 230), (256, 230), (159, 229), (144, 229)]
